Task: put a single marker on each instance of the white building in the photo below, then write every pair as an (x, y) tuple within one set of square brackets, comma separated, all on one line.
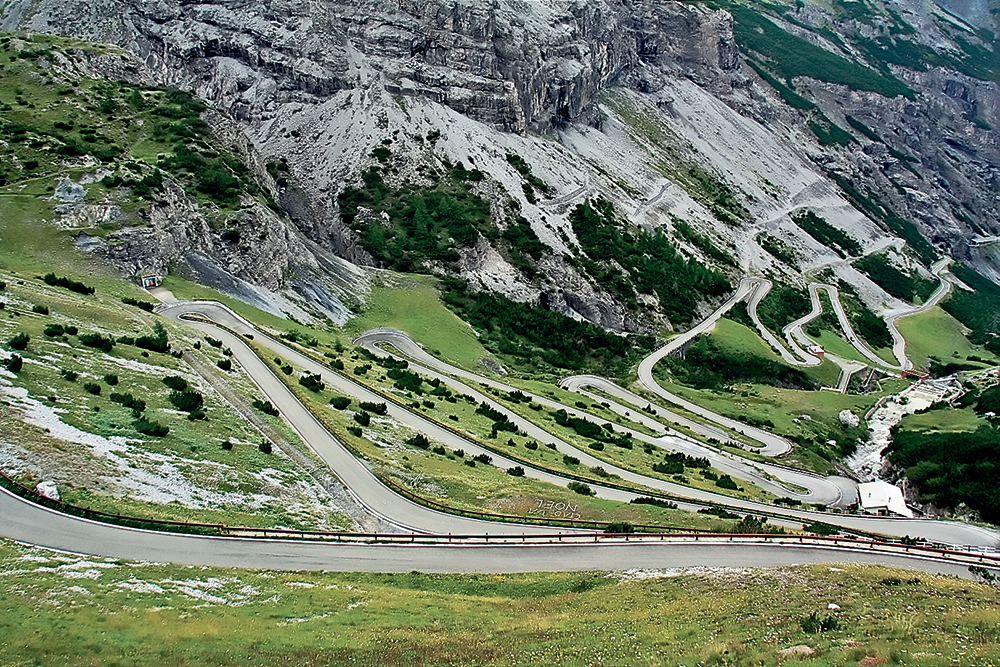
[(882, 498)]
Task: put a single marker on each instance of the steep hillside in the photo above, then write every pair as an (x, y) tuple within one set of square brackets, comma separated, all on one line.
[(151, 178), (714, 126)]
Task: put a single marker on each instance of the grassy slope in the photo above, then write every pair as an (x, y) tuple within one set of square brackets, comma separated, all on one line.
[(938, 334), (193, 447), (147, 614), (952, 420), (412, 304), (445, 478)]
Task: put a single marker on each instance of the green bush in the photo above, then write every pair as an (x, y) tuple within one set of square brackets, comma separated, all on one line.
[(97, 341), (621, 528), (726, 482), (40, 309), (144, 305), (110, 379), (151, 428), (187, 400), (374, 408), (313, 383), (14, 363), (363, 418), (128, 401), (225, 364), (813, 624), (68, 375), (264, 446), (92, 388), (265, 407), (655, 502), (581, 488), (516, 471), (19, 342), (420, 441), (175, 382), (71, 285), (340, 402)]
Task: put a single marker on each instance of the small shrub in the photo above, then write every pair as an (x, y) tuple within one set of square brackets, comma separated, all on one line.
[(175, 382), (187, 400), (485, 459), (225, 364), (211, 341), (151, 428), (129, 401), (355, 431), (363, 418), (97, 341), (265, 407), (264, 446), (622, 528), (145, 305), (375, 408), (655, 502), (726, 482), (420, 441), (531, 444), (110, 379), (570, 460), (287, 369), (71, 285), (340, 402), (54, 330), (581, 488), (441, 451), (812, 624), (14, 363), (40, 309), (313, 383), (19, 342), (227, 445), (516, 471), (92, 388), (68, 375)]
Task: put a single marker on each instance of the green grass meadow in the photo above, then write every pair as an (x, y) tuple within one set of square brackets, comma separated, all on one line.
[(67, 610)]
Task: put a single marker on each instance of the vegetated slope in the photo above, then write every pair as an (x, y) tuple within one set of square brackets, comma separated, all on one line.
[(98, 402), (140, 174), (717, 130), (384, 618)]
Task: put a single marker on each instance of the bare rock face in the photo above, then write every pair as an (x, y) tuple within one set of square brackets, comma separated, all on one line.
[(515, 64)]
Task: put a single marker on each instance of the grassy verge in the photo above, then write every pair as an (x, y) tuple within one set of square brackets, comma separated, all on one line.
[(154, 614)]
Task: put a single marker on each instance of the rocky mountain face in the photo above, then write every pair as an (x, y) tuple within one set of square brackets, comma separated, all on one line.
[(672, 111)]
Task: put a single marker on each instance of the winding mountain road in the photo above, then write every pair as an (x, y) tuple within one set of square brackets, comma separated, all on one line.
[(27, 522)]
